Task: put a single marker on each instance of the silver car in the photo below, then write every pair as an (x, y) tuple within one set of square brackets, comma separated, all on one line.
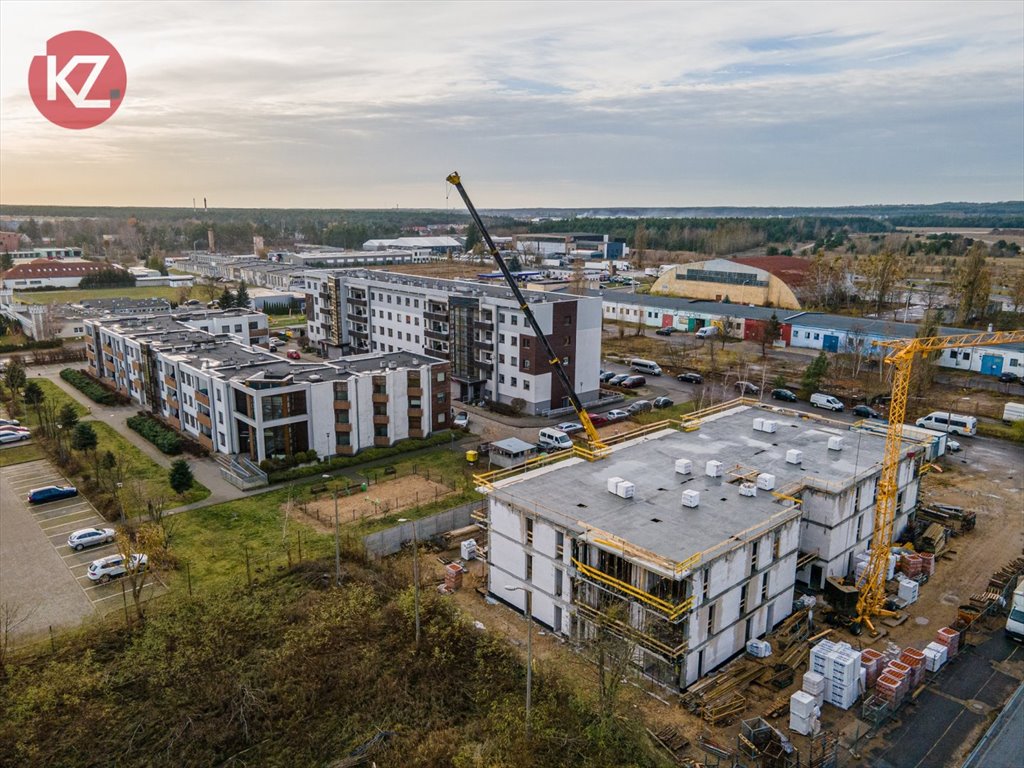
[(90, 537)]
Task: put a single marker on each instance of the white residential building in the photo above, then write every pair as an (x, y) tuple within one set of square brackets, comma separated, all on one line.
[(479, 327)]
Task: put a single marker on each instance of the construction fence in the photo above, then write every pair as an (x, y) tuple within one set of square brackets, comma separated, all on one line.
[(391, 540)]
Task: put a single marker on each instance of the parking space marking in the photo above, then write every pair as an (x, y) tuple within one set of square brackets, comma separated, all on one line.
[(72, 505), (118, 593), (62, 530), (53, 522), (87, 552)]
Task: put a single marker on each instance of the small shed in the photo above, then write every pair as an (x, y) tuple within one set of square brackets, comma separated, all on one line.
[(511, 452)]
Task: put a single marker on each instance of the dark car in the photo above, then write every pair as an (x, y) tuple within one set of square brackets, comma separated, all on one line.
[(639, 406), (51, 493), (867, 412), (598, 419), (691, 378), (1009, 378), (746, 388), (632, 382), (607, 376), (667, 331), (783, 394), (618, 378), (663, 402)]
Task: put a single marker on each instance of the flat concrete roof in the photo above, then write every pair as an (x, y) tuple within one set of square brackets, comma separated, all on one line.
[(654, 519)]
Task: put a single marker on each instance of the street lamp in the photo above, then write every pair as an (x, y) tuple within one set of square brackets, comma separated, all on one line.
[(415, 574), (337, 538), (529, 648)]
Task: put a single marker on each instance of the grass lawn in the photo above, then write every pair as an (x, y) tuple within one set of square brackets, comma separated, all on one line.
[(673, 412), (139, 467), (214, 541), (52, 393), (73, 296), (19, 454), (284, 321)]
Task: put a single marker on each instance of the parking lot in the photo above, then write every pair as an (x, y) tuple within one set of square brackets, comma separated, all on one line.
[(38, 571)]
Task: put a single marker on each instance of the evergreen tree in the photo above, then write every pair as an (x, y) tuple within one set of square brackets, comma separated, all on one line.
[(180, 477), (814, 375), (242, 296), (84, 437), (68, 416), (34, 396), (227, 299)]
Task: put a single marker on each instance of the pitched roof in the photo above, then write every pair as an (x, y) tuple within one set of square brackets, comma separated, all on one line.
[(50, 268)]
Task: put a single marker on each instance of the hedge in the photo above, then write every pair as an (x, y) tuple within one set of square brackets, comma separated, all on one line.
[(28, 345), (363, 457), (163, 438), (91, 388)]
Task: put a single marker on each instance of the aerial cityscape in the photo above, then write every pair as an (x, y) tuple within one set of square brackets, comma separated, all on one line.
[(513, 385)]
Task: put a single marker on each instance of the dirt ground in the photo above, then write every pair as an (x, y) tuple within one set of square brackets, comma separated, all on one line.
[(380, 499)]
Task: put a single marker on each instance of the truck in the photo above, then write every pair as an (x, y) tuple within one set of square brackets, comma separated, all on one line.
[(1013, 412), (1015, 621)]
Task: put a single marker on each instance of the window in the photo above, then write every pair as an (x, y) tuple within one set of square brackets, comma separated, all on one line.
[(529, 531), (526, 364), (515, 320), (416, 303), (526, 342), (501, 338), (529, 567), (342, 438), (515, 383), (711, 620), (567, 320), (380, 430), (501, 378), (817, 336), (706, 583), (743, 598), (559, 545), (238, 327), (501, 358), (526, 385), (440, 376), (515, 341), (515, 360), (565, 360), (389, 315), (501, 317), (764, 586), (777, 545), (558, 582), (860, 526), (753, 557)]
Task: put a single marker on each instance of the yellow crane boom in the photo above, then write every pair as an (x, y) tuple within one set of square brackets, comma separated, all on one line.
[(871, 602)]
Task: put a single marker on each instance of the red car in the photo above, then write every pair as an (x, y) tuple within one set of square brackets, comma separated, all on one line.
[(294, 355)]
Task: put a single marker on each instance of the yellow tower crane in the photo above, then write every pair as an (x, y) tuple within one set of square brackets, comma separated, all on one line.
[(871, 601)]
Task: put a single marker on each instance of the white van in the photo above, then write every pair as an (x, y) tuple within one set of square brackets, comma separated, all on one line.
[(1015, 621), (550, 439), (953, 423), (649, 367), (706, 332), (821, 400), (1013, 412)]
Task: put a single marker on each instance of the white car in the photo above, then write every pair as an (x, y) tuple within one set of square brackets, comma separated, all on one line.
[(90, 537), (461, 420), (13, 437), (952, 446), (617, 415), (107, 568), (9, 423)]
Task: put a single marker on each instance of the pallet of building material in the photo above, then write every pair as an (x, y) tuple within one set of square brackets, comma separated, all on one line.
[(957, 519), (713, 748), (933, 539), (671, 740), (453, 537), (724, 711)]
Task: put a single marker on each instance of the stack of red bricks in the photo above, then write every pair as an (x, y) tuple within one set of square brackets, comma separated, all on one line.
[(452, 577), (927, 563), (891, 688), (914, 659), (949, 638), (911, 564), (872, 662)]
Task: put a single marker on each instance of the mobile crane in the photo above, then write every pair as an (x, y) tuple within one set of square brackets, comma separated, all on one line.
[(597, 445), (871, 599)]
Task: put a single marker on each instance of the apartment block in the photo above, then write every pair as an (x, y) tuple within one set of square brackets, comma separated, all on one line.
[(689, 544), (478, 327), (237, 399)]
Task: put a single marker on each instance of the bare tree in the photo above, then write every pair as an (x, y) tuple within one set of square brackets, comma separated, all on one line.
[(12, 616), (972, 284), (882, 272), (133, 542)]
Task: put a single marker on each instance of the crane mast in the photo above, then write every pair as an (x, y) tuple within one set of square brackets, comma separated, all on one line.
[(871, 601), (555, 361)]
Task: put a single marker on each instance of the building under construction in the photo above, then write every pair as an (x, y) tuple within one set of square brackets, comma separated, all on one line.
[(689, 543)]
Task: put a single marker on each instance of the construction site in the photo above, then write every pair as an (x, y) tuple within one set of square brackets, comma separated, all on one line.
[(703, 572)]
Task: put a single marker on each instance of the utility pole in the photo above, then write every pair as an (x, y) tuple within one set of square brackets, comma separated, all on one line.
[(529, 649), (337, 543)]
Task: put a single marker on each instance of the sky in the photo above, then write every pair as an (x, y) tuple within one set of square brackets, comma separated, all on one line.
[(370, 105)]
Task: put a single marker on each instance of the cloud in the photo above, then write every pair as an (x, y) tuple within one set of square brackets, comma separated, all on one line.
[(568, 104)]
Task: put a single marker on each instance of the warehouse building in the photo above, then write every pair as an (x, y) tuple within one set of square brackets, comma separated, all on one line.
[(693, 540), (770, 281)]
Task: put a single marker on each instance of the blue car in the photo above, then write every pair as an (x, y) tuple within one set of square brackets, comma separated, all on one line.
[(51, 493)]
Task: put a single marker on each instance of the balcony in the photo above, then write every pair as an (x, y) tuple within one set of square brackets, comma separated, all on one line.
[(381, 397), (205, 441), (414, 391), (136, 366), (170, 382), (381, 442), (342, 427), (483, 367), (436, 317), (356, 317), (482, 325), (120, 356), (416, 432), (203, 398), (342, 405), (358, 334), (485, 345), (172, 402), (108, 349), (357, 301), (415, 413), (381, 420), (430, 333), (204, 420)]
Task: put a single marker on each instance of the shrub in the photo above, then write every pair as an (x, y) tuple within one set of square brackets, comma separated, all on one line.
[(90, 387), (165, 439), (280, 473), (43, 344)]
